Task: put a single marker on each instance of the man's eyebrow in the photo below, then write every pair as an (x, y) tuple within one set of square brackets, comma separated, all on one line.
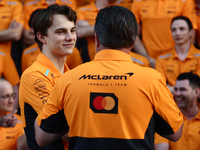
[(64, 28)]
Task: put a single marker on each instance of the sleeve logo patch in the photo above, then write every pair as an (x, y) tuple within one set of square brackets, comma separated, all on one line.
[(104, 103)]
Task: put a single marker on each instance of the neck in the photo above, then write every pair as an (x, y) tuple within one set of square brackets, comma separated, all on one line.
[(182, 50), (100, 4), (126, 50), (58, 61), (191, 111)]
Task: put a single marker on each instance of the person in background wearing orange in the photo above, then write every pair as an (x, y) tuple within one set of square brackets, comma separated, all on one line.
[(31, 6), (184, 57), (154, 18), (12, 138), (31, 53), (12, 20), (186, 91), (55, 34), (85, 27)]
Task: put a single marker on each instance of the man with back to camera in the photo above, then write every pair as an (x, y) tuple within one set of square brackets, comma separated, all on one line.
[(184, 57), (186, 91), (55, 33), (110, 102)]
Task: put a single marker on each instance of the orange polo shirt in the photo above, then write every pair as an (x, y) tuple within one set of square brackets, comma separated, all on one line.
[(36, 84), (113, 107), (31, 6), (9, 10), (9, 136), (198, 24), (125, 3), (8, 69), (190, 136), (155, 18), (139, 59), (170, 66), (30, 54)]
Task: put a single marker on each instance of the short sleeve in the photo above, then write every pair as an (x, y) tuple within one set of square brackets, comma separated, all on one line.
[(168, 117), (51, 119)]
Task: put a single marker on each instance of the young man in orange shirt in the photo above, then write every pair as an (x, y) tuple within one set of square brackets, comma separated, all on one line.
[(55, 34), (110, 102), (30, 53), (154, 18), (184, 57)]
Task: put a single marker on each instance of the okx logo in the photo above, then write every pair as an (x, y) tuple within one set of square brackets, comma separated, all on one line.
[(104, 103)]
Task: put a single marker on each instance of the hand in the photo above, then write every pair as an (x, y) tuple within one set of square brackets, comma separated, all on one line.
[(14, 24), (8, 120), (65, 137)]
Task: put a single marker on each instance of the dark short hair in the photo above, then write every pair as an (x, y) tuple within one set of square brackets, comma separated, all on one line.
[(31, 17), (42, 20), (187, 20), (193, 79), (116, 27)]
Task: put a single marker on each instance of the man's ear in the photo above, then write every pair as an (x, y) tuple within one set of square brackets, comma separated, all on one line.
[(41, 37), (192, 32), (96, 40)]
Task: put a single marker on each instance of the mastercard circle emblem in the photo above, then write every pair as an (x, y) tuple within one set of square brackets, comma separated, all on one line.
[(106, 103)]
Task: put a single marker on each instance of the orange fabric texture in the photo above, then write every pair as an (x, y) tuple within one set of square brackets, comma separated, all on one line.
[(9, 11), (30, 54), (102, 75), (31, 6), (190, 136), (139, 59), (155, 18), (9, 136), (8, 69), (170, 66), (125, 3)]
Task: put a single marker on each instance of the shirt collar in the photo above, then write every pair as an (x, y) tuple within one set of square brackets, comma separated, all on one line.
[(190, 54), (43, 2), (44, 60), (110, 54)]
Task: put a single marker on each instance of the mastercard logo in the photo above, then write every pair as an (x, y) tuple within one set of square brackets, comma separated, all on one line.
[(104, 103)]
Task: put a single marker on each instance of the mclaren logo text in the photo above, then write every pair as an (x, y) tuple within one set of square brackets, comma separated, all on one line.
[(106, 77)]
